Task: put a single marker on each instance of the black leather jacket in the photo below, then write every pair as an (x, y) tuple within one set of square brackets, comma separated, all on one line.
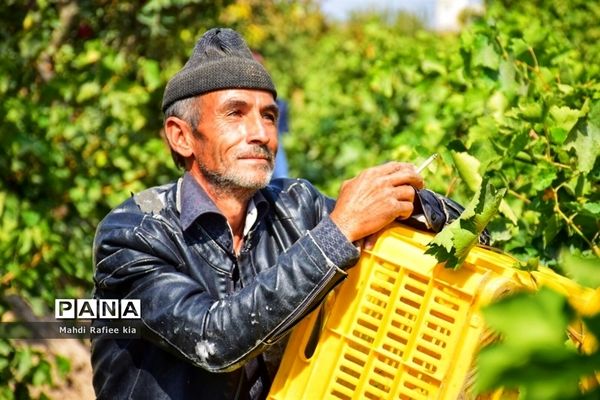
[(211, 319)]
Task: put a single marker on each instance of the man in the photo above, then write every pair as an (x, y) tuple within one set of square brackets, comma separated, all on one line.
[(224, 262)]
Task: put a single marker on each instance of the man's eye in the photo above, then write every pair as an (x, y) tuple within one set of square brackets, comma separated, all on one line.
[(234, 113), (270, 117)]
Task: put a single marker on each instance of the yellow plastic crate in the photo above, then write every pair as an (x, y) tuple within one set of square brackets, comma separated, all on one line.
[(400, 327)]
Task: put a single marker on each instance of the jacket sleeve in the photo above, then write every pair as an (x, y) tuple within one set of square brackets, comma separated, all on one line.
[(136, 258)]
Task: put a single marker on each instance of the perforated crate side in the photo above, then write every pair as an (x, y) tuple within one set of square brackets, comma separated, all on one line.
[(401, 327)]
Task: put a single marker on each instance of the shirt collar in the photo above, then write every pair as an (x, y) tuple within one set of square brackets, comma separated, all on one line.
[(194, 202)]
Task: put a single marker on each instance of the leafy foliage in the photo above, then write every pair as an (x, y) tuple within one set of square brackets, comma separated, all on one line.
[(511, 94), (533, 356), (515, 97), (23, 366), (453, 243)]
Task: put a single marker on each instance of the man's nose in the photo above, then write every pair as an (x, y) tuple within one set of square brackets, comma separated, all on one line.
[(257, 130)]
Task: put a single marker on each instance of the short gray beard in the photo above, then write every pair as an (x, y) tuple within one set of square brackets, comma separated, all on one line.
[(229, 182)]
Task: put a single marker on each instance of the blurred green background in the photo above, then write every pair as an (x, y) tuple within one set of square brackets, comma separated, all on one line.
[(514, 95)]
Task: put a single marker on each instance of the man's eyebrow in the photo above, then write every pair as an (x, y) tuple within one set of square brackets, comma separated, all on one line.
[(271, 108), (238, 103), (234, 103)]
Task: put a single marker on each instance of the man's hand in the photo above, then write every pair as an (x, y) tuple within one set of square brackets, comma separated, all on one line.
[(374, 198)]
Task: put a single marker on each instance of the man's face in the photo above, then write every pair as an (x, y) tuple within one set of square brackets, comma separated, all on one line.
[(236, 139)]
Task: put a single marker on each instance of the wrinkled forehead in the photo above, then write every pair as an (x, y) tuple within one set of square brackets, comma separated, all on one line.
[(232, 97)]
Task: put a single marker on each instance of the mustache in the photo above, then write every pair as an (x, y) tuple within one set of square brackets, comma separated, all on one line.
[(256, 151)]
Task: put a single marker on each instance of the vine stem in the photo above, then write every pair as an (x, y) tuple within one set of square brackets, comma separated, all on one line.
[(519, 196), (570, 223), (535, 61)]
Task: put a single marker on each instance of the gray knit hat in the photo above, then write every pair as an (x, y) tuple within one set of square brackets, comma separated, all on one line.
[(221, 60)]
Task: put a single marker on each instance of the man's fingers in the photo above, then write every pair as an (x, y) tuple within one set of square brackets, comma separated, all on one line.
[(393, 174), (405, 177), (397, 193), (405, 193), (391, 167), (404, 209), (376, 197), (369, 241)]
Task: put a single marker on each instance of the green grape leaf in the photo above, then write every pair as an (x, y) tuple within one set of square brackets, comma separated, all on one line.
[(484, 53), (454, 242), (88, 91), (63, 366), (507, 73), (583, 270), (518, 143), (468, 168), (552, 226), (518, 46), (593, 208), (508, 212), (545, 175), (564, 117), (529, 321), (585, 139), (532, 327), (151, 73), (42, 373), (531, 110), (558, 135)]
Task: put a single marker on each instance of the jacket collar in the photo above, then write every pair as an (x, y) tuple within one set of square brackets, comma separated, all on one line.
[(194, 202)]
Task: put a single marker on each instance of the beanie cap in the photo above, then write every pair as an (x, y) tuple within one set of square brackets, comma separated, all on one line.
[(221, 60)]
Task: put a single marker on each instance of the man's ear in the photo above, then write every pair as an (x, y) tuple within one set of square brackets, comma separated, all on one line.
[(178, 133)]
